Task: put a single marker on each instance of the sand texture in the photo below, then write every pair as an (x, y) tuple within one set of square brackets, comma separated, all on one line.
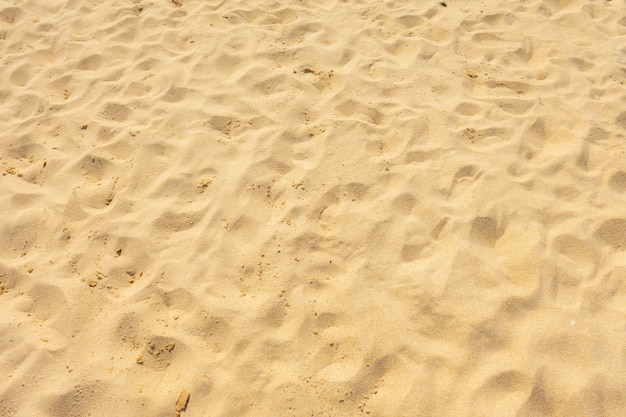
[(313, 208)]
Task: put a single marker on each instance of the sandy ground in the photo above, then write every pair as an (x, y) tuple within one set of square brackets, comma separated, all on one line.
[(313, 208)]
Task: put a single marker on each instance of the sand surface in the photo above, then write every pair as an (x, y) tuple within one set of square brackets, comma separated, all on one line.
[(313, 208)]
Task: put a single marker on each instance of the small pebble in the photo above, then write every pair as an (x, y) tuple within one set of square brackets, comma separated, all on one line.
[(183, 399)]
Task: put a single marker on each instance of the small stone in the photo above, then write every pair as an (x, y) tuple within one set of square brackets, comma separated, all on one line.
[(92, 283), (139, 360), (30, 269), (183, 399)]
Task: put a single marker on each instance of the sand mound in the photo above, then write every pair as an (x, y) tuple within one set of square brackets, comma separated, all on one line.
[(313, 208)]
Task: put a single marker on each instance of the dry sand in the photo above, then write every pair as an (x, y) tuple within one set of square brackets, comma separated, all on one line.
[(313, 208)]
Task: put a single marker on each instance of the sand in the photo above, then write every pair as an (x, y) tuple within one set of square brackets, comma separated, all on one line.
[(313, 208)]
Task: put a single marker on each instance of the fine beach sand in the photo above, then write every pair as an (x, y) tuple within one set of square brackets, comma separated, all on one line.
[(313, 208)]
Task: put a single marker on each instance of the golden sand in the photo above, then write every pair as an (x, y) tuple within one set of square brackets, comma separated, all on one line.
[(313, 208)]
